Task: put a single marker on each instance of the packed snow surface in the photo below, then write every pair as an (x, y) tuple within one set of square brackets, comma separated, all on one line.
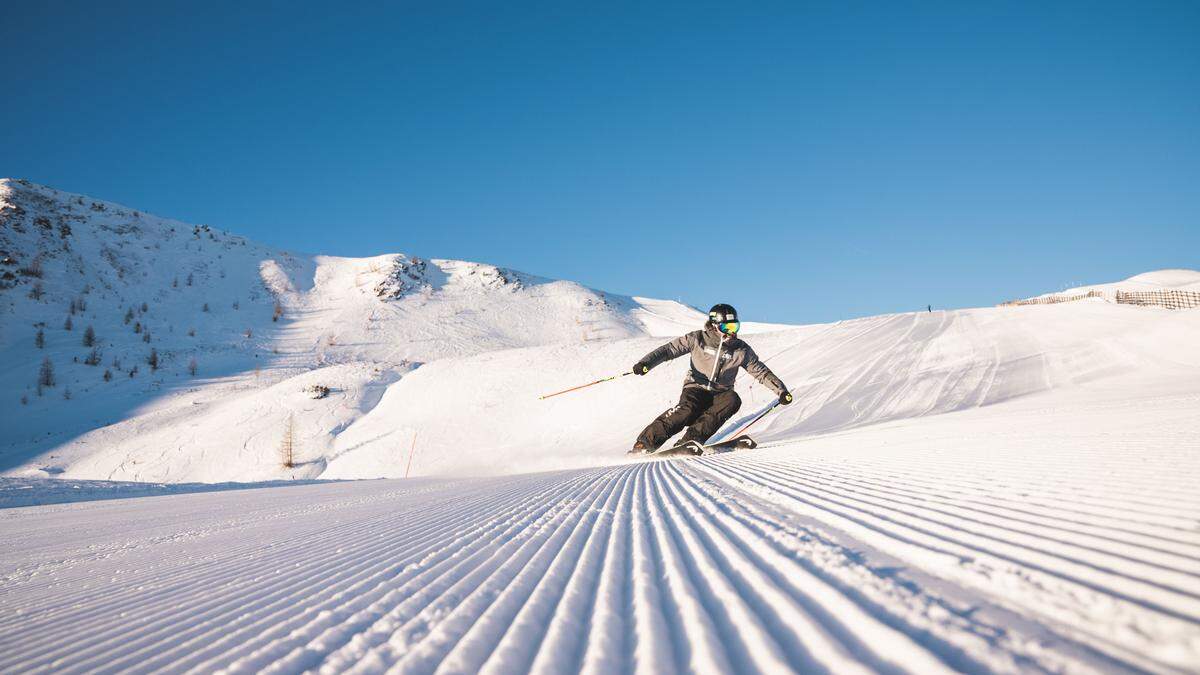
[(1061, 539), (1003, 489)]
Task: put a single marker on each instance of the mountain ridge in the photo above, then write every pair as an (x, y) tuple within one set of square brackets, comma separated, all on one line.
[(214, 309)]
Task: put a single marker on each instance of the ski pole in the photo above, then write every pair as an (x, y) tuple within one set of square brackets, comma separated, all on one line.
[(584, 386), (761, 415)]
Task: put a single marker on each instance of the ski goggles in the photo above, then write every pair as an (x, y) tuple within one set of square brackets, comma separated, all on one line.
[(729, 327)]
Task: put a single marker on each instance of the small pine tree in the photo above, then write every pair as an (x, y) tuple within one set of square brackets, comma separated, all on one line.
[(278, 312), (133, 371), (175, 282), (128, 316), (71, 308), (204, 308), (68, 324), (34, 268), (107, 375), (37, 291), (66, 393), (236, 305), (287, 453), (24, 399), (81, 302), (191, 332), (116, 363), (190, 279), (145, 308), (39, 340), (152, 360), (93, 359), (192, 366), (89, 336), (146, 337), (137, 326), (46, 373)]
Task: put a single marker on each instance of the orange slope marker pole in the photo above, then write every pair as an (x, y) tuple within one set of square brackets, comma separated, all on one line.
[(411, 450)]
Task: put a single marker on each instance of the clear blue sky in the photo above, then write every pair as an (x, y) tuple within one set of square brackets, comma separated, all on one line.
[(803, 161)]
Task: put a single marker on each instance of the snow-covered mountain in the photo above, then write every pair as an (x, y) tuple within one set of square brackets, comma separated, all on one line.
[(236, 331), (446, 359)]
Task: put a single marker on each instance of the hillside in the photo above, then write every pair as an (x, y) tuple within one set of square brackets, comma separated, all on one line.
[(1158, 280), (238, 330), (454, 353), (243, 333)]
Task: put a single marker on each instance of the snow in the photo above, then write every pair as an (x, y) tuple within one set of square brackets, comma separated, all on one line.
[(16, 492), (1000, 489), (354, 325), (481, 414), (1003, 539), (1158, 280)]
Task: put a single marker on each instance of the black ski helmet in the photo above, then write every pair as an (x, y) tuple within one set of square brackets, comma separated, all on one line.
[(722, 313)]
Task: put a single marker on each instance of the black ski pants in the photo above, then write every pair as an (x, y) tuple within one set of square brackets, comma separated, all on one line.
[(700, 410)]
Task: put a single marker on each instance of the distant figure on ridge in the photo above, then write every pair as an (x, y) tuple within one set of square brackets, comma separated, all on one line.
[(708, 399)]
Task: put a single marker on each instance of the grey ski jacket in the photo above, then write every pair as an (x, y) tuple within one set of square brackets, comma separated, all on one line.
[(703, 345)]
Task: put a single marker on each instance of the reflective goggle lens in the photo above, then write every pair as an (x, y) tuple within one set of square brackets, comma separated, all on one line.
[(730, 326)]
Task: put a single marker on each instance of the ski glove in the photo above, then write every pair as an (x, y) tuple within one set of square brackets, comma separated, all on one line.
[(641, 368), (785, 398)]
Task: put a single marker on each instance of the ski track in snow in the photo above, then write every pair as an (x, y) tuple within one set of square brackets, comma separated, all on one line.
[(764, 561)]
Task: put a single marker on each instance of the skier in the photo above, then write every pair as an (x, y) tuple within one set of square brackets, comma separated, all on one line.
[(708, 399)]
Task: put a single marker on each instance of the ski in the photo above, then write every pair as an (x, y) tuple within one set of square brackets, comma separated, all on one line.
[(694, 449), (743, 442), (689, 449)]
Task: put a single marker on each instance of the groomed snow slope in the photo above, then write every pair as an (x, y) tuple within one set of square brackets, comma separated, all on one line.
[(1013, 538)]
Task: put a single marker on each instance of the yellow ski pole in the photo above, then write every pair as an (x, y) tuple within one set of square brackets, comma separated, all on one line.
[(583, 386)]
